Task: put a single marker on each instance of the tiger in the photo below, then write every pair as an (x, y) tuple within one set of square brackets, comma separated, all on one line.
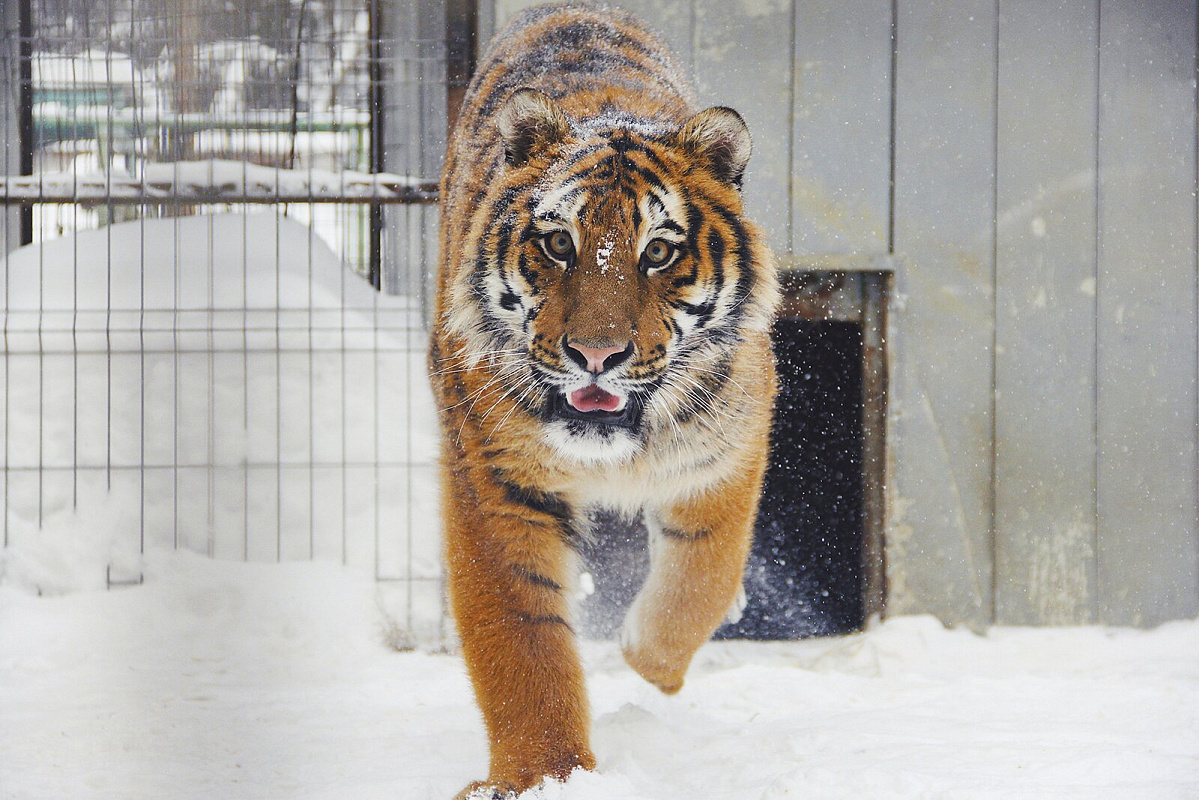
[(601, 339)]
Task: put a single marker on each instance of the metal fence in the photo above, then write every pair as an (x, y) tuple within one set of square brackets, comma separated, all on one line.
[(198, 199)]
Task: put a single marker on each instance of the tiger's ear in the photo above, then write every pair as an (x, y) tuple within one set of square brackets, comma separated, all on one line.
[(529, 123), (720, 137)]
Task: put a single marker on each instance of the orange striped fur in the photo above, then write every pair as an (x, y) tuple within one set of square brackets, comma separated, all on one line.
[(601, 340)]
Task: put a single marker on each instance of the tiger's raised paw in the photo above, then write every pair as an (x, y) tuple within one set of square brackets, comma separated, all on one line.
[(663, 672)]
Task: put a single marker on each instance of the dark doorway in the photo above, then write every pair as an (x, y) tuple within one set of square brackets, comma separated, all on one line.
[(804, 576), (815, 568)]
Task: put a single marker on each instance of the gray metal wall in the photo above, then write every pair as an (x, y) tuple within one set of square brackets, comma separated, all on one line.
[(1031, 167)]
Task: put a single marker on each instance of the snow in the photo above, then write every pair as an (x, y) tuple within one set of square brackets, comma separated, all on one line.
[(92, 67), (604, 252), (223, 383), (260, 261), (217, 679), (230, 680), (213, 180)]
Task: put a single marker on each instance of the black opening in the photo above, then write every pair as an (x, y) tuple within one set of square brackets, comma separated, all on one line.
[(805, 573), (804, 576)]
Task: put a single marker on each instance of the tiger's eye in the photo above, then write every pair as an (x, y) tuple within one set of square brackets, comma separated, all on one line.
[(658, 252), (559, 244)]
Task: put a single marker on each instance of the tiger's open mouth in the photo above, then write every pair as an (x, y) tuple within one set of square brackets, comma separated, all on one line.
[(593, 398), (594, 405)]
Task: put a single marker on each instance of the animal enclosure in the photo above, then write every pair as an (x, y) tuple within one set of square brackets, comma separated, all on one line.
[(220, 241), (196, 351)]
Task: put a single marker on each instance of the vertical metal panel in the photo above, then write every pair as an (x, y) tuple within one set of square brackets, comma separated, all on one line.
[(674, 21), (504, 11), (939, 537), (756, 80), (1045, 313), (841, 172), (486, 24), (1147, 538)]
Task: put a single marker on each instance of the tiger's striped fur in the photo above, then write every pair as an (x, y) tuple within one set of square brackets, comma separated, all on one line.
[(601, 339)]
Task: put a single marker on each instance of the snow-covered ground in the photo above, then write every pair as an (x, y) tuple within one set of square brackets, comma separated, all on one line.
[(230, 680), (217, 679)]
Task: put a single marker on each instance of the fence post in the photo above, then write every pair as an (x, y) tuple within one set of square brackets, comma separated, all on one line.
[(12, 143)]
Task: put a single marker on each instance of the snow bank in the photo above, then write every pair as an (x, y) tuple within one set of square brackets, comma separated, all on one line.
[(218, 383), (217, 679), (76, 546), (260, 262)]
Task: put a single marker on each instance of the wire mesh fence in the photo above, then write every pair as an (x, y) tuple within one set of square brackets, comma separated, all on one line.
[(198, 197)]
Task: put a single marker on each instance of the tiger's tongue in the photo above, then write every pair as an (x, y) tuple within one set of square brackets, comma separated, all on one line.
[(593, 398)]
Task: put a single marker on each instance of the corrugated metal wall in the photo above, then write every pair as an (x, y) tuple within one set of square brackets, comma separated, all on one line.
[(1032, 168)]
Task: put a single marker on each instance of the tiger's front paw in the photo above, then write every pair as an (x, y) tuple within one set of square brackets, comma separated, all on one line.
[(521, 771), (557, 767), (487, 790)]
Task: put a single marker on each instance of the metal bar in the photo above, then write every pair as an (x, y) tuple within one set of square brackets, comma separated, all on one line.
[(821, 296), (874, 444), (424, 194), (25, 104), (279, 391), (202, 351), (202, 465), (840, 262), (376, 103), (57, 122)]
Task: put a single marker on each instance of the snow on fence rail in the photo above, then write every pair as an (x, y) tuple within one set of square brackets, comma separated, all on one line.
[(216, 182)]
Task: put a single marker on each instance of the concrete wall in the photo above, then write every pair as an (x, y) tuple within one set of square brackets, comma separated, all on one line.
[(1031, 168)]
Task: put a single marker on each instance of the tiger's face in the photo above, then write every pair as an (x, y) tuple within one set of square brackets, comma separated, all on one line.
[(616, 274)]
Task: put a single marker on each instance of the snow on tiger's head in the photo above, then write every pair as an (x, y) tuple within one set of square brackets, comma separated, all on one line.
[(612, 259)]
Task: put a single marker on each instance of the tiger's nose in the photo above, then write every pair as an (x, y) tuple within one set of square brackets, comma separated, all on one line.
[(598, 359)]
